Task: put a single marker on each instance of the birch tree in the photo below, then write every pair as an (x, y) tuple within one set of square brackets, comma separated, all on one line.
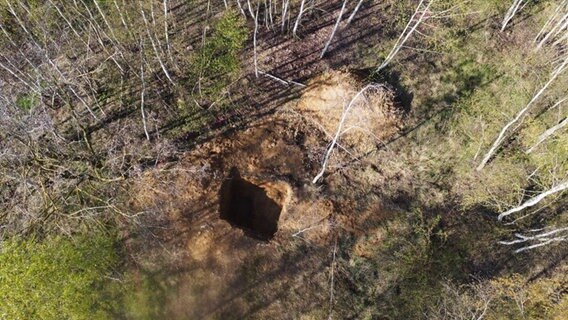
[(538, 238), (352, 16), (548, 133), (505, 130), (513, 9), (334, 29), (340, 126), (535, 200), (285, 4), (254, 42), (299, 18), (156, 52), (555, 27), (411, 26)]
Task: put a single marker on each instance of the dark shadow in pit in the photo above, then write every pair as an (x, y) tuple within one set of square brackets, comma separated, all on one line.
[(246, 206)]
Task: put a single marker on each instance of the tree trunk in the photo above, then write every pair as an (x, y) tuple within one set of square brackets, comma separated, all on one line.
[(534, 201)]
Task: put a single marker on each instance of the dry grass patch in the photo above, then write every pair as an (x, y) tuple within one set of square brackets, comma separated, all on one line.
[(371, 120)]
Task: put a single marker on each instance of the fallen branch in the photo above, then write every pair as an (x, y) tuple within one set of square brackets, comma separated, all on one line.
[(340, 128)]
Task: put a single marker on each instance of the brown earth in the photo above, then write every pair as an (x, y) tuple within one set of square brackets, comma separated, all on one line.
[(236, 230)]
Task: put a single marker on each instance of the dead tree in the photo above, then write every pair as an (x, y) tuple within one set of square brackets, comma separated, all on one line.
[(352, 16), (285, 4), (299, 18), (555, 27), (551, 131), (334, 29), (515, 7), (156, 52), (254, 42), (504, 132), (340, 126), (412, 25), (538, 238), (535, 200)]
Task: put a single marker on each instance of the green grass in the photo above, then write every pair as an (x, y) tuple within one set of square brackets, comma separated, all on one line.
[(57, 277)]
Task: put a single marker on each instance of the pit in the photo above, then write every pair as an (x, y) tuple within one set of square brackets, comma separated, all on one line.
[(247, 206)]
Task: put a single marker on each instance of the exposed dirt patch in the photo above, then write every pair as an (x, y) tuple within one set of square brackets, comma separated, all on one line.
[(207, 218)]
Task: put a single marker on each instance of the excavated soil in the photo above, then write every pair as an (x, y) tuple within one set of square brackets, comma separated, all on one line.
[(236, 229)]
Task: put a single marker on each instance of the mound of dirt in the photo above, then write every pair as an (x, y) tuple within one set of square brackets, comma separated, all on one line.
[(370, 120)]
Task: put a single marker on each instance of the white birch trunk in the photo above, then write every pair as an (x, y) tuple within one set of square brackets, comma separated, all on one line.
[(166, 73), (254, 42), (285, 4), (299, 18), (407, 32), (340, 129), (541, 239), (548, 133), (334, 29), (352, 16), (511, 13), (534, 201), (502, 134)]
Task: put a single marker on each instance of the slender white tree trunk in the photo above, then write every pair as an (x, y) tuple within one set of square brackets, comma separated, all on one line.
[(166, 29), (254, 42), (241, 8), (407, 32), (340, 128), (556, 24), (250, 8), (299, 18), (548, 133), (156, 52), (515, 7), (142, 95), (270, 17), (502, 135), (285, 4), (334, 29), (541, 239), (534, 201), (352, 16)]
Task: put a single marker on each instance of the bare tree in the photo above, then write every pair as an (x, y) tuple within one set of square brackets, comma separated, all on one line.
[(545, 135), (503, 134), (554, 27), (334, 29), (254, 42), (299, 18), (340, 126), (285, 4), (157, 53), (166, 28), (352, 16), (411, 26), (538, 238), (535, 200), (515, 7), (142, 96)]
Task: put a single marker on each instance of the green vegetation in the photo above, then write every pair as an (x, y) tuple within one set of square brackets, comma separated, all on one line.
[(58, 277), (101, 100), (26, 102)]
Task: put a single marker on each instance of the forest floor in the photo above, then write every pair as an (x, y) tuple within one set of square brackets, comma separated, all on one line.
[(204, 266), (191, 263)]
